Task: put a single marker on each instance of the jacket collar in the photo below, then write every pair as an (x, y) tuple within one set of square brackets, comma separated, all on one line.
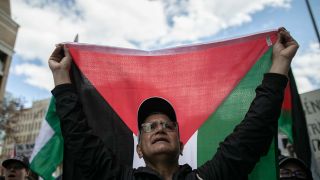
[(182, 171)]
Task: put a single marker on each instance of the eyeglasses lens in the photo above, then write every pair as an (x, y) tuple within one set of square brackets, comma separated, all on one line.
[(167, 126), (287, 174)]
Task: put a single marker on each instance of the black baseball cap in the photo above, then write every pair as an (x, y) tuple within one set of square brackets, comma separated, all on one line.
[(283, 160), (18, 158), (155, 105)]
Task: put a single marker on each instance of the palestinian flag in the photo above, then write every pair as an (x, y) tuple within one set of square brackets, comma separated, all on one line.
[(299, 125), (210, 86), (292, 122), (47, 154)]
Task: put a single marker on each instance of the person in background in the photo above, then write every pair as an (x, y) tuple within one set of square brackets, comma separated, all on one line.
[(16, 168), (293, 168)]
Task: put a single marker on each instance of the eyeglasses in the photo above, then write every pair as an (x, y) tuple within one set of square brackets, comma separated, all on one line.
[(152, 126), (286, 174)]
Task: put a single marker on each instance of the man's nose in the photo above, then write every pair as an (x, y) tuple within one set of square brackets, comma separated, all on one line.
[(12, 168), (159, 127)]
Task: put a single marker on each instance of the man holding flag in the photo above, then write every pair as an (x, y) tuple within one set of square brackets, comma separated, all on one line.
[(159, 139)]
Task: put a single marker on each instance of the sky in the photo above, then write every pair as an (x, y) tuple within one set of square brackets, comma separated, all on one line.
[(149, 25)]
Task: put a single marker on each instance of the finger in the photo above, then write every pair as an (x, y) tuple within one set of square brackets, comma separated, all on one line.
[(281, 29), (66, 51), (285, 38), (57, 50), (56, 54), (290, 51), (59, 44), (279, 36), (289, 40), (287, 35)]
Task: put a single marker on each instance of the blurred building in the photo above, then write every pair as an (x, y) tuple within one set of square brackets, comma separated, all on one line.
[(26, 128), (8, 33)]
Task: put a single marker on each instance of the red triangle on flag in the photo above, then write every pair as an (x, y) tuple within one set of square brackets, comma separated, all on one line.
[(195, 79)]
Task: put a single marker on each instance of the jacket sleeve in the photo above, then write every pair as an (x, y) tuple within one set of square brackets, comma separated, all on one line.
[(90, 154), (237, 155)]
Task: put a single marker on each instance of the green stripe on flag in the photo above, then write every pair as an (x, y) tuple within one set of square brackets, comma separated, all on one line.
[(48, 158), (50, 152), (230, 113), (52, 117), (285, 124)]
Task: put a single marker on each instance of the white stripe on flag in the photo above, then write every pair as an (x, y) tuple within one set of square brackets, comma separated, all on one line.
[(46, 132), (190, 152), (137, 162)]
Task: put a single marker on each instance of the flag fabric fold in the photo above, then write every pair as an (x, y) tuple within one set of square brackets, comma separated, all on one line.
[(293, 124)]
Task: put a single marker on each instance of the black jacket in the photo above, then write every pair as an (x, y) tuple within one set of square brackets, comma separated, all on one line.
[(235, 157)]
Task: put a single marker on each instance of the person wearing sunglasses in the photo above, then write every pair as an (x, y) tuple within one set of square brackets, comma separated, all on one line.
[(159, 140)]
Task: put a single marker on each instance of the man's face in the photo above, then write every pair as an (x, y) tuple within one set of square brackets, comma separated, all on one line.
[(292, 171), (15, 171), (160, 141)]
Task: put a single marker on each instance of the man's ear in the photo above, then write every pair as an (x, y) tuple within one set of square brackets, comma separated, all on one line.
[(181, 148), (139, 151)]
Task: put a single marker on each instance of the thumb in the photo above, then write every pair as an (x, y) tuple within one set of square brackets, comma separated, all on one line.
[(66, 51), (278, 41)]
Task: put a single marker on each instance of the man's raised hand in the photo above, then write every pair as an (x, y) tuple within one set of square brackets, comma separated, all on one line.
[(60, 63), (283, 52)]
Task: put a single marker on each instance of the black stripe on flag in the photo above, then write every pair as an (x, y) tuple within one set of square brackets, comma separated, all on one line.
[(104, 122)]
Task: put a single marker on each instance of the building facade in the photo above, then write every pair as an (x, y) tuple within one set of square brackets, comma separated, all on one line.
[(26, 128), (8, 33)]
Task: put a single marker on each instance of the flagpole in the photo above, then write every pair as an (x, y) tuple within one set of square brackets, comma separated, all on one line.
[(313, 21), (76, 38)]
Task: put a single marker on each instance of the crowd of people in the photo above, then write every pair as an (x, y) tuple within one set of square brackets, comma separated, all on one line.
[(17, 168), (290, 168)]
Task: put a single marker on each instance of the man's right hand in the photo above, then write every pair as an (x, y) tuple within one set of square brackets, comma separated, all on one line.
[(60, 63), (283, 52)]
